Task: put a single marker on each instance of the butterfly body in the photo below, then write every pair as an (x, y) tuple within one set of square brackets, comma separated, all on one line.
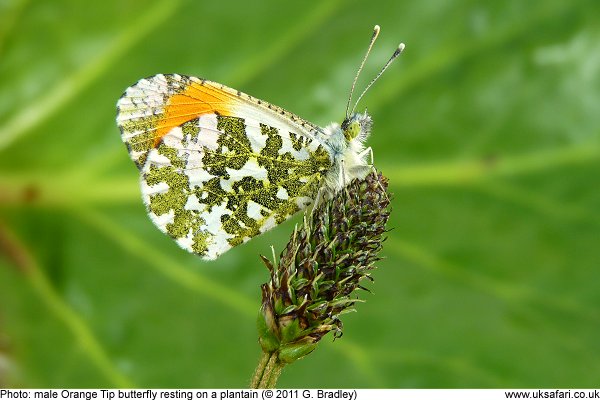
[(219, 167)]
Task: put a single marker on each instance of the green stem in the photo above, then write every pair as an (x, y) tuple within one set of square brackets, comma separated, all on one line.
[(275, 371), (267, 371), (271, 372), (260, 369)]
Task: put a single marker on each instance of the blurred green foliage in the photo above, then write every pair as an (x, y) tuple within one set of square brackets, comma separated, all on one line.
[(488, 127)]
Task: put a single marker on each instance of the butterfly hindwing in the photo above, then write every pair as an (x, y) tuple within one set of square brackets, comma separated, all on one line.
[(217, 169)]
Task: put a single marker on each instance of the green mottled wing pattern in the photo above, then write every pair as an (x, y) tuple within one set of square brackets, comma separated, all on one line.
[(217, 181)]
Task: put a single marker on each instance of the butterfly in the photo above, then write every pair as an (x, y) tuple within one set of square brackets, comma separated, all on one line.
[(219, 166)]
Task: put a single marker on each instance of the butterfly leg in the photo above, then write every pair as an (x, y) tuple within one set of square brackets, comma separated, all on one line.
[(368, 151), (343, 173), (363, 168)]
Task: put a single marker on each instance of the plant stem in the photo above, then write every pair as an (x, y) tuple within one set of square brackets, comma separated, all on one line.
[(260, 369), (267, 371), (266, 378), (275, 371)]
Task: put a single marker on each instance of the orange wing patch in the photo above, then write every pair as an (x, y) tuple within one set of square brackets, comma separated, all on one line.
[(152, 107), (195, 100)]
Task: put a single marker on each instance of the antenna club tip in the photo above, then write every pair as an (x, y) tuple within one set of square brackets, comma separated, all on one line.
[(401, 47), (376, 30)]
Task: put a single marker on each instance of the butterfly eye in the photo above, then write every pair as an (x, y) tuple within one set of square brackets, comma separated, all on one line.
[(352, 130)]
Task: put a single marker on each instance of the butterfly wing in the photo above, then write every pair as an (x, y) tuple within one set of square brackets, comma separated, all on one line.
[(218, 167)]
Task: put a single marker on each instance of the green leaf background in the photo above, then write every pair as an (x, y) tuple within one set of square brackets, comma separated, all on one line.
[(488, 127)]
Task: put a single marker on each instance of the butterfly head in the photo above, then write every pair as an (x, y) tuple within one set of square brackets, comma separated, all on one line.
[(357, 126)]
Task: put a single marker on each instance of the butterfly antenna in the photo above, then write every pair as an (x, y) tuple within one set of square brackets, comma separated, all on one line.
[(392, 58), (376, 30)]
